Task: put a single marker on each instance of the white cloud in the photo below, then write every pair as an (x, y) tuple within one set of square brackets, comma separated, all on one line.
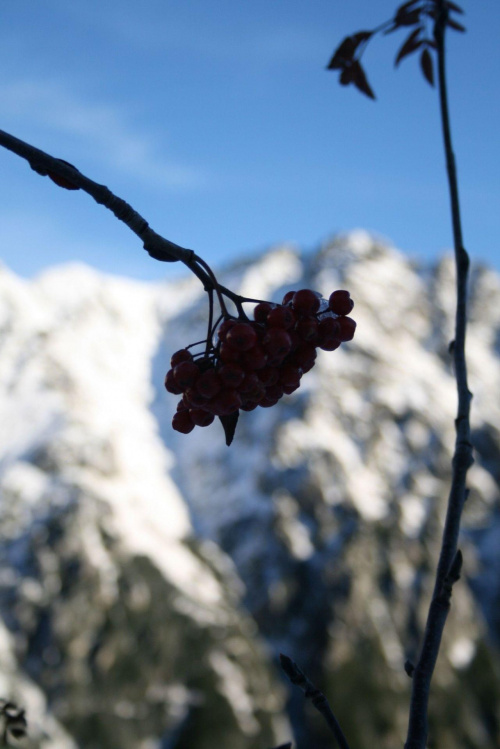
[(101, 128)]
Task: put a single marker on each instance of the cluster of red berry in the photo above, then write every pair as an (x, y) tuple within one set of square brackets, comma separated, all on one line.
[(254, 363)]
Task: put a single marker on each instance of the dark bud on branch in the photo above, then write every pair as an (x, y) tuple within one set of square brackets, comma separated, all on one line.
[(409, 668), (62, 181)]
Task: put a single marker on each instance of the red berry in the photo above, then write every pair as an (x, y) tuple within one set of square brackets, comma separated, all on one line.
[(277, 342), (186, 373), (330, 343), (182, 422), (295, 338), (171, 384), (307, 329), (288, 297), (269, 376), (288, 389), (249, 384), (305, 354), (242, 337), (329, 334), (194, 398), (208, 384), (280, 317), (261, 311), (347, 328), (308, 366), (201, 417), (225, 327), (231, 374), (268, 402), (274, 391), (340, 302), (256, 358), (290, 375), (228, 353), (252, 389), (227, 402), (249, 405), (305, 302), (182, 355)]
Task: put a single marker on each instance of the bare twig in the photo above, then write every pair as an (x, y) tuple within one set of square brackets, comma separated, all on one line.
[(45, 164), (450, 560), (155, 245), (317, 698)]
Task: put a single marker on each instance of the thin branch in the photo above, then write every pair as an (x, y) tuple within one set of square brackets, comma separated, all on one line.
[(157, 246), (450, 560), (317, 698), (42, 163)]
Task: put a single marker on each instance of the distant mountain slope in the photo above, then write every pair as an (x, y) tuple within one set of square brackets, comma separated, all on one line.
[(128, 548)]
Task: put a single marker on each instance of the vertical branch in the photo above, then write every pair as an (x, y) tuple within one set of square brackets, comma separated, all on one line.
[(450, 560)]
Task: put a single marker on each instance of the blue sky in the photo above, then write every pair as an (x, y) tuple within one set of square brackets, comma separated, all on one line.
[(217, 121)]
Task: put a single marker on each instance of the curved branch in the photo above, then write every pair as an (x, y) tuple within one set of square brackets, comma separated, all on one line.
[(157, 246)]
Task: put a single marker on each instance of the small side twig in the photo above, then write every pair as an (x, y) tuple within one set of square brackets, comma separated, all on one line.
[(317, 698)]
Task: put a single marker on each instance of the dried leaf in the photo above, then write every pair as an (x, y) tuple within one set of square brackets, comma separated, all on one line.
[(454, 6), (455, 25), (343, 53), (408, 19), (346, 76), (411, 44), (427, 66), (346, 49), (229, 426), (402, 8), (362, 36), (360, 81)]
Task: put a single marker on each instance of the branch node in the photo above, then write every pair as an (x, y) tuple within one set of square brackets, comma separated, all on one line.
[(318, 699), (409, 668)]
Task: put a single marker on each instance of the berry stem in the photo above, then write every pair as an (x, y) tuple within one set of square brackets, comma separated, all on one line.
[(208, 346)]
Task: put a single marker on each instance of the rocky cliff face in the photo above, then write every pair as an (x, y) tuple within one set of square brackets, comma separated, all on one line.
[(149, 579)]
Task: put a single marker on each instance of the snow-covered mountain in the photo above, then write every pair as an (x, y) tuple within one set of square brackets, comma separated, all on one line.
[(149, 579)]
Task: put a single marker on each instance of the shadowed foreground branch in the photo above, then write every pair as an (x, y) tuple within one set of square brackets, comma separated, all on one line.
[(317, 698)]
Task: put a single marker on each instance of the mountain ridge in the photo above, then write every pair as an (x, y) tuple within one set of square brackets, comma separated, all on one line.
[(314, 533)]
